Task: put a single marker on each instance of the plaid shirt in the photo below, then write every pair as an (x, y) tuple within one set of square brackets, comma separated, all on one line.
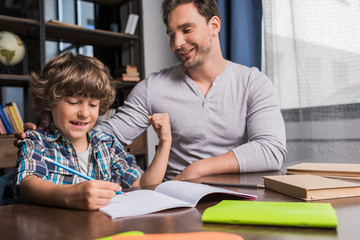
[(107, 161)]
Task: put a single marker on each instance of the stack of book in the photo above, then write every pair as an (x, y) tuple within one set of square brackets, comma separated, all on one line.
[(128, 73), (317, 181), (10, 119)]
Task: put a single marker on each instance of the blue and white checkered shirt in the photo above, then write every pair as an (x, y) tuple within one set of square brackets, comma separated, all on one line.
[(108, 160)]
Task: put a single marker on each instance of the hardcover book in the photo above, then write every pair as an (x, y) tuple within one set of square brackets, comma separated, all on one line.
[(339, 170), (16, 121), (311, 187), (5, 121)]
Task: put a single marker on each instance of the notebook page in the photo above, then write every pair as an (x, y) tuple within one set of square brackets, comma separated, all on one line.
[(140, 202), (193, 192)]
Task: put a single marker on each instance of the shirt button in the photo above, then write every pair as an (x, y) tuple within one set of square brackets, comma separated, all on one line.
[(69, 150), (96, 150), (106, 175)]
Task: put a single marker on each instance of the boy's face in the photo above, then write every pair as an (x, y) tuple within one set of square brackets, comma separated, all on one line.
[(74, 117)]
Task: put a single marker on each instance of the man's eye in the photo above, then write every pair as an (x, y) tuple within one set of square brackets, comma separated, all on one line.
[(187, 30)]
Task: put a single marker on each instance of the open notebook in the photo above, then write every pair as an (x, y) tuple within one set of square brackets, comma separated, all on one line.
[(171, 194)]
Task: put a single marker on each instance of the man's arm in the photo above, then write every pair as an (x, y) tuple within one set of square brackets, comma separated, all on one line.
[(265, 127), (266, 146), (130, 119), (225, 163)]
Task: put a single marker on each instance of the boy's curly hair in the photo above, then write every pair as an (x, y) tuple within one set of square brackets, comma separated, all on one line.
[(69, 75)]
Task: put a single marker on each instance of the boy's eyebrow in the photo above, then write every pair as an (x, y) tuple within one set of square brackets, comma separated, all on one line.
[(184, 25)]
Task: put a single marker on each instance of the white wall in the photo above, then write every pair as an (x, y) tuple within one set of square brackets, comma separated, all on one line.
[(157, 53)]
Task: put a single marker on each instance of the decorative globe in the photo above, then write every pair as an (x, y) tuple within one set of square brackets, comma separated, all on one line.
[(12, 49)]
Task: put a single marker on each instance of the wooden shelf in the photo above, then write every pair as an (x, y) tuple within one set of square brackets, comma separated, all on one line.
[(8, 151), (114, 49), (80, 35), (18, 25), (14, 80)]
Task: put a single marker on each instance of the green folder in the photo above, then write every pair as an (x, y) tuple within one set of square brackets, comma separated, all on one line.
[(296, 214)]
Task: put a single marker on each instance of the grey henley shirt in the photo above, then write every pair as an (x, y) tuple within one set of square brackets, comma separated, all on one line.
[(239, 113)]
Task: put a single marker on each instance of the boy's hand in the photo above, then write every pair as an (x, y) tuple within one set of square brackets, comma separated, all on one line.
[(88, 195), (161, 124), (92, 195), (22, 135)]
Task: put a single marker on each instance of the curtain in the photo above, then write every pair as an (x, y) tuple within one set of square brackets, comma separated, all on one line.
[(312, 54), (240, 34)]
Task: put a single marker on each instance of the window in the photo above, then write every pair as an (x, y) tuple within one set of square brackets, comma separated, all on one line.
[(312, 54), (69, 11)]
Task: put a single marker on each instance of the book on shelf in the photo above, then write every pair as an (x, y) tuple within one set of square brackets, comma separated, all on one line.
[(126, 78), (336, 170), (10, 117), (167, 195), (130, 70), (311, 187), (295, 214), (18, 114), (131, 23), (2, 128), (16, 118), (131, 74), (127, 73), (5, 120)]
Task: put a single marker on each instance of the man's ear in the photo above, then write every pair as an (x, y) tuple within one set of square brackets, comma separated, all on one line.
[(215, 25)]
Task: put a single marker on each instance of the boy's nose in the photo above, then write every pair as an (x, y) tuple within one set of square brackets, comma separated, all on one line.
[(83, 112)]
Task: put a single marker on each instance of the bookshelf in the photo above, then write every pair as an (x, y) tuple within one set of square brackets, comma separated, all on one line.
[(115, 49)]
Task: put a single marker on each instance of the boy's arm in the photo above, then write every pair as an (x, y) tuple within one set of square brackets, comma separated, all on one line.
[(156, 171), (89, 195)]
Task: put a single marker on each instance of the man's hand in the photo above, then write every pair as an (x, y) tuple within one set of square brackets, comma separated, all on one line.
[(190, 172), (22, 135)]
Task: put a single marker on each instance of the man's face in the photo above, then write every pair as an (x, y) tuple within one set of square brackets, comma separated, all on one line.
[(190, 35)]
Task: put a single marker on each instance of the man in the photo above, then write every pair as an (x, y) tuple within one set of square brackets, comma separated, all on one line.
[(224, 116)]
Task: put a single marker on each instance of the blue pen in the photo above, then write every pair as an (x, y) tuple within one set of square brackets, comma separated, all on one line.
[(75, 172)]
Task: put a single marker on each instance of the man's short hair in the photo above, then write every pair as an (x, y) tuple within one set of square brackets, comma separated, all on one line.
[(206, 8), (70, 75)]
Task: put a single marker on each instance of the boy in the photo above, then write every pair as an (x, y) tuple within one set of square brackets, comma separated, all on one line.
[(69, 94)]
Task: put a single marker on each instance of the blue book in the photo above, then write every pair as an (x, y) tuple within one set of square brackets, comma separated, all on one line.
[(5, 121)]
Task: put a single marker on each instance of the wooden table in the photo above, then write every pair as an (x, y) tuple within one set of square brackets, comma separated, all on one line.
[(23, 221)]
